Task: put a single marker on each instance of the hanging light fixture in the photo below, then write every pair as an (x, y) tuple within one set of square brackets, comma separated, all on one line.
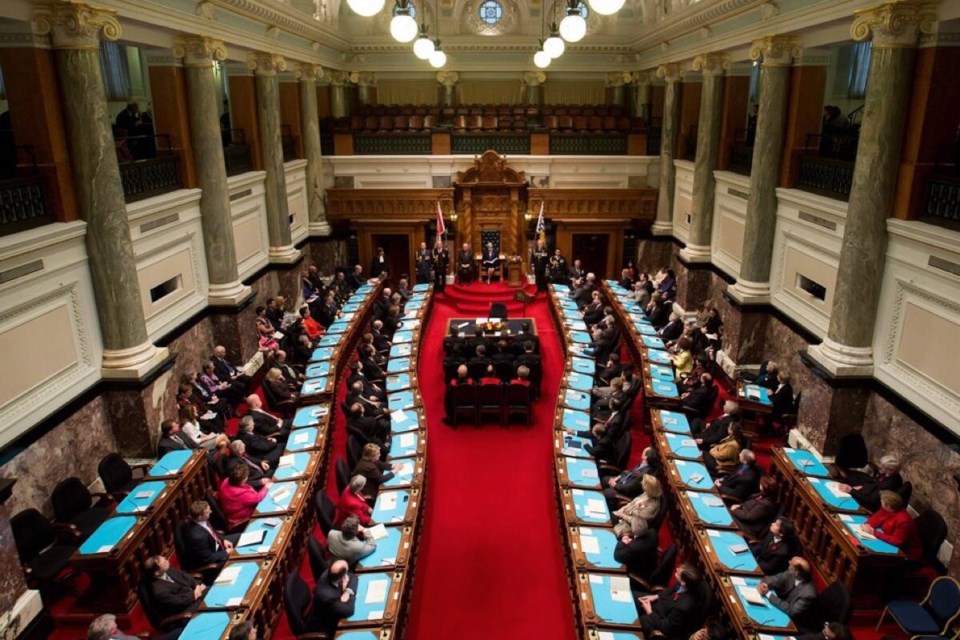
[(423, 46), (403, 27), (366, 8), (438, 58), (554, 45), (542, 59), (606, 7), (573, 27)]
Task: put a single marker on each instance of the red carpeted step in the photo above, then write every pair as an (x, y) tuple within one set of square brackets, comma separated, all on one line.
[(482, 309)]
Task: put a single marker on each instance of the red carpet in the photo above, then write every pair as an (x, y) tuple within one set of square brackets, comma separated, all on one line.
[(490, 562)]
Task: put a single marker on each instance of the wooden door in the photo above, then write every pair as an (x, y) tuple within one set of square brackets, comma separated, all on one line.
[(593, 250)]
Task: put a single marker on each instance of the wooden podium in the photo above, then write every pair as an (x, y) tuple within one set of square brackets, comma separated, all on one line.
[(514, 268)]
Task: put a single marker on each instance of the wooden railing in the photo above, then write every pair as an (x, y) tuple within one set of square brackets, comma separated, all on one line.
[(826, 176), (236, 154)]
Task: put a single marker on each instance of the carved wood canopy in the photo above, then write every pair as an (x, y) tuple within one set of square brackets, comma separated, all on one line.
[(490, 168)]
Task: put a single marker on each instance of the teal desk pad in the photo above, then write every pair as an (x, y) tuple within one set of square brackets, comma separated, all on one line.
[(108, 535), (574, 446), (423, 286), (207, 625), (137, 501), (573, 419), (665, 389), (350, 307), (409, 324), (583, 365), (560, 287), (363, 289), (853, 522), (330, 340), (385, 554), (806, 462), (302, 439), (413, 305), (659, 357), (403, 477), (347, 316), (576, 399), (674, 421), (652, 342), (837, 502), (404, 444), (712, 514), (582, 472), (391, 506), (575, 325), (321, 354), (766, 615), (313, 386), (619, 608), (231, 594), (590, 506), (400, 400), (417, 296), (398, 382), (310, 416), (732, 551), (364, 610), (682, 446), (580, 381), (340, 326), (662, 372), (693, 474), (581, 337), (598, 546), (317, 369), (271, 527), (398, 365), (402, 337), (297, 466), (170, 464), (278, 498), (404, 421), (757, 393), (644, 329), (401, 350)]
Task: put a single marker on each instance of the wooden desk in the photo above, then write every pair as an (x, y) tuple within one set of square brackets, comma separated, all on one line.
[(389, 610), (511, 333), (745, 625)]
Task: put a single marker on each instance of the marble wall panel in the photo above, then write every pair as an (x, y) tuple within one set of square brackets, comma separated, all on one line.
[(12, 583)]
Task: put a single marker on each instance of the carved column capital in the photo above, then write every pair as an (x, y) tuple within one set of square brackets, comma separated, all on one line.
[(338, 78), (642, 77), (618, 78), (533, 78), (75, 25), (199, 51), (775, 51), (448, 78), (669, 72), (894, 24), (266, 64), (308, 72), (711, 64)]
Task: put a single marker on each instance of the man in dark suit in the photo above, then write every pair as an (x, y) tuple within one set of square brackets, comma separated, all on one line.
[(204, 544), (623, 487), (541, 258), (479, 364), (465, 264), (791, 591), (533, 362), (672, 611), (266, 424), (335, 597), (638, 553), (743, 481), (755, 514), (452, 341), (355, 279), (171, 440), (711, 434), (226, 371), (866, 488), (172, 591), (773, 551), (380, 265), (504, 362), (699, 401), (441, 264), (424, 261), (576, 273), (258, 471), (263, 449), (374, 429)]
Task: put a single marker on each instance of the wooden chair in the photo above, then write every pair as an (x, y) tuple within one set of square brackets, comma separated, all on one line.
[(551, 122), (356, 123), (401, 123), (489, 122), (464, 403), (460, 123), (490, 402), (386, 123), (415, 123), (564, 122), (371, 123), (596, 124), (429, 122), (517, 403), (474, 122), (580, 123)]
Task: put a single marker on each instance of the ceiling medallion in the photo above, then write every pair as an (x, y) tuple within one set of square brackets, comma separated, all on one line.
[(489, 25)]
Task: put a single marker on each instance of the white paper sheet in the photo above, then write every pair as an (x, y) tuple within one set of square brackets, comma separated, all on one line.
[(408, 440), (399, 415), (234, 602), (620, 589), (143, 495), (301, 438), (376, 532), (388, 501), (595, 579), (228, 575), (286, 461), (711, 501), (751, 595), (713, 533), (249, 538), (376, 592), (589, 544)]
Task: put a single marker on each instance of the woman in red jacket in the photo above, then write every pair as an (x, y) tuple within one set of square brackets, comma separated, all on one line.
[(893, 524), (353, 503), (238, 500)]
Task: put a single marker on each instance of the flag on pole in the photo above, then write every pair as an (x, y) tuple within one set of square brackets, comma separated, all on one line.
[(441, 228), (541, 225)]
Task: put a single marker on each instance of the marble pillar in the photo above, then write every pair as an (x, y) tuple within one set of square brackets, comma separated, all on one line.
[(338, 94), (712, 65), (365, 93), (895, 27), (448, 80), (777, 53), (265, 67), (75, 31), (641, 96), (317, 212), (199, 56), (615, 82), (532, 84), (663, 225)]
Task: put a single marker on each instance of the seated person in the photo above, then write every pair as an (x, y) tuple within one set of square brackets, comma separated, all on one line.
[(628, 485), (373, 469), (203, 544), (375, 428), (636, 549), (277, 388), (791, 591), (773, 550), (768, 375), (893, 524), (452, 342), (226, 370), (265, 423), (171, 440), (353, 502), (708, 435), (523, 377), (208, 377), (724, 456), (238, 500), (611, 369), (755, 514), (831, 631), (782, 397), (743, 481), (105, 628), (503, 361), (241, 631), (348, 544), (683, 360), (335, 597), (698, 401), (673, 329), (866, 488), (490, 377), (465, 264), (190, 429), (479, 364), (288, 371), (172, 591), (259, 447), (491, 261), (258, 471), (671, 612), (644, 507)]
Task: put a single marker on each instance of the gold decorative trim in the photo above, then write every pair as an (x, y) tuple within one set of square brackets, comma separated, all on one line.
[(307, 72), (75, 25), (199, 51), (266, 64), (894, 24), (776, 51), (711, 64)]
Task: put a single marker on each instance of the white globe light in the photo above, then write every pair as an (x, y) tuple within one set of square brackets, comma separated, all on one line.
[(554, 46), (423, 47), (573, 27), (437, 59), (542, 59), (606, 7), (403, 28), (366, 8)]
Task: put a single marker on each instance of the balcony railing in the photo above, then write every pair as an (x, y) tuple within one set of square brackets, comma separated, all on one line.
[(400, 144), (654, 139), (288, 142), (586, 144), (501, 142), (236, 153), (943, 198), (151, 176), (22, 204), (826, 167)]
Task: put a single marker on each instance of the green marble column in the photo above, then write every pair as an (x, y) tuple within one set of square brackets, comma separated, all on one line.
[(663, 225), (777, 53), (896, 28), (641, 96), (75, 31), (308, 74), (533, 87), (265, 67), (199, 56), (338, 95), (712, 65)]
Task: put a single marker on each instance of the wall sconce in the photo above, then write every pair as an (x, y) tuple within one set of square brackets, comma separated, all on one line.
[(528, 216), (453, 216)]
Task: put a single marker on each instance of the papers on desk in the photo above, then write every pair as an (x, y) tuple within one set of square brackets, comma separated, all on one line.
[(376, 532), (605, 635), (696, 478), (712, 501), (620, 589), (399, 415), (595, 579), (462, 325), (250, 538), (375, 615), (278, 496), (107, 548), (712, 533), (143, 495), (301, 438), (589, 544), (570, 451), (228, 574), (319, 412), (287, 460), (751, 595), (408, 440), (589, 473), (377, 592), (235, 602), (278, 335), (406, 469), (388, 501), (596, 507), (688, 442), (738, 548), (834, 488), (863, 534)]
